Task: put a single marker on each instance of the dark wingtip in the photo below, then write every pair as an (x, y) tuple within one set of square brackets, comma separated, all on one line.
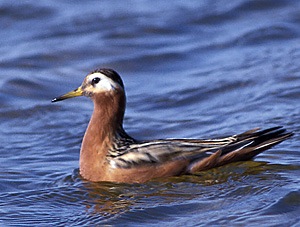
[(289, 134)]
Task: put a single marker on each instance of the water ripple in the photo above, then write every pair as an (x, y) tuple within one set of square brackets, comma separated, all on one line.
[(191, 69)]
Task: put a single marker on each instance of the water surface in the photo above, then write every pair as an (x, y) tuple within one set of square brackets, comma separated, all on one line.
[(191, 69)]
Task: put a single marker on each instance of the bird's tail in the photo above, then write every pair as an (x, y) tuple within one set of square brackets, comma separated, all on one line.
[(246, 146)]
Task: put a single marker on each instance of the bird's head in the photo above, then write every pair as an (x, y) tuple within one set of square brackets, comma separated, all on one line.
[(98, 82)]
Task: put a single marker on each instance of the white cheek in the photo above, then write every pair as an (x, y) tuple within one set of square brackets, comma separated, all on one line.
[(105, 85)]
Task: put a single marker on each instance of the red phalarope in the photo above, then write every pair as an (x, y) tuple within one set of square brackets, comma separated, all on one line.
[(108, 153)]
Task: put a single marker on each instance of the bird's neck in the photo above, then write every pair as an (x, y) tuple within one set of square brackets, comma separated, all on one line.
[(105, 123)]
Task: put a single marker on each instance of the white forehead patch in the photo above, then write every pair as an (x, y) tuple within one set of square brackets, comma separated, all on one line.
[(104, 84)]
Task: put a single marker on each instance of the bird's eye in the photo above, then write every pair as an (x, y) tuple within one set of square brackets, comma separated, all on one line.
[(95, 80)]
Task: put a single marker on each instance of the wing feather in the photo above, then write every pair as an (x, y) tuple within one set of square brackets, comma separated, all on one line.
[(160, 151)]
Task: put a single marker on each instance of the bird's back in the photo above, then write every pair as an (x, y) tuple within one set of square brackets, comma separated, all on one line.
[(200, 154)]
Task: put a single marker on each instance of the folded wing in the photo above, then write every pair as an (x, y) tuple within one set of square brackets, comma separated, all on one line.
[(202, 154)]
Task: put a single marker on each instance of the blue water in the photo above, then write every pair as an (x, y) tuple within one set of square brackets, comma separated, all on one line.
[(193, 69)]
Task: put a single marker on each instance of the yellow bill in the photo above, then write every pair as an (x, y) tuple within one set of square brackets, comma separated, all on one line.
[(71, 94)]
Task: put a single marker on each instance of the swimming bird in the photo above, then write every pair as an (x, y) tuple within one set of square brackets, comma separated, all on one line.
[(108, 153)]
